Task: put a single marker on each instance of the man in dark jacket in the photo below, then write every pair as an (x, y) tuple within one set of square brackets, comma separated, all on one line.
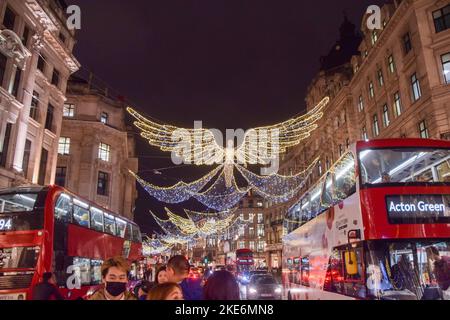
[(47, 290), (178, 272)]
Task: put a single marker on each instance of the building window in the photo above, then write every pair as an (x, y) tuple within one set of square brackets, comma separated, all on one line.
[(104, 118), (347, 143), (251, 232), (386, 121), (261, 232), (327, 164), (319, 168), (49, 119), (423, 130), (442, 19), (3, 62), (446, 67), (364, 134), (34, 109), (69, 110), (241, 244), (43, 167), (5, 146), (341, 150), (361, 103), (26, 157), (376, 127), (55, 77), (397, 104), (16, 83), (41, 64), (391, 64), (261, 246), (415, 85), (102, 184), (371, 90), (26, 35), (260, 218), (252, 245), (9, 19), (60, 179), (64, 146), (407, 43), (380, 78), (374, 36), (104, 152)]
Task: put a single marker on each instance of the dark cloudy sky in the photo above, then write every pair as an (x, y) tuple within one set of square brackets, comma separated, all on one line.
[(230, 63)]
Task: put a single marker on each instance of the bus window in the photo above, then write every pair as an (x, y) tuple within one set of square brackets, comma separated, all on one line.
[(443, 171), (136, 234), (315, 200), (128, 232), (110, 224), (96, 219), (82, 269), (121, 227), (305, 209), (345, 178), (96, 272), (81, 216), (402, 165), (327, 193), (17, 202), (63, 208)]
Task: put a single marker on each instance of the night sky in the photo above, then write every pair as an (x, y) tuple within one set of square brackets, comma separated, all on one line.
[(230, 63)]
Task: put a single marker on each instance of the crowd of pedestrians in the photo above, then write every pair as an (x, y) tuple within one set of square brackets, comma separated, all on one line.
[(172, 282)]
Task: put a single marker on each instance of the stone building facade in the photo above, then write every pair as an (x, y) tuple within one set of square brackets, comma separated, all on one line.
[(35, 62), (394, 84), (97, 148)]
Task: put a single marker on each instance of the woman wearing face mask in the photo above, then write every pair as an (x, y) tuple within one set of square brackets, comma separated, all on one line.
[(115, 280), (166, 291)]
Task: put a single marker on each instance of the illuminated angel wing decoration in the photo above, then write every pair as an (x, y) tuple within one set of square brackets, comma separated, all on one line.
[(265, 143), (200, 147), (196, 146)]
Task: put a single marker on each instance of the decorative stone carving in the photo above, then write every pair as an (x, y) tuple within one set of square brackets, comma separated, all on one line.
[(12, 47)]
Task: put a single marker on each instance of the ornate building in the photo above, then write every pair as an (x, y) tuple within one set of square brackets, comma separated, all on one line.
[(97, 148), (35, 62), (395, 83)]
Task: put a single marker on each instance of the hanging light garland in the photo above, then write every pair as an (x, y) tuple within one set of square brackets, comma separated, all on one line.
[(178, 193)]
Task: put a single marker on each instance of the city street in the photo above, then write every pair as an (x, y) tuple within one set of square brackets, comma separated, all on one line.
[(217, 150)]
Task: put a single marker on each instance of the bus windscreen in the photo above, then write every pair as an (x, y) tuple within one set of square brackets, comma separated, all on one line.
[(18, 212)]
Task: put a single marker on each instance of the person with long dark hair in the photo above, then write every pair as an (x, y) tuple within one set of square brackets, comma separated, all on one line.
[(222, 285)]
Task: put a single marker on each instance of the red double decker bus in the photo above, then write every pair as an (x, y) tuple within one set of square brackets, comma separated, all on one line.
[(375, 226), (49, 229)]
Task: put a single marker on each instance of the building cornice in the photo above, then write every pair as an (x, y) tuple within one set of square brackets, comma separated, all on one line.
[(12, 47)]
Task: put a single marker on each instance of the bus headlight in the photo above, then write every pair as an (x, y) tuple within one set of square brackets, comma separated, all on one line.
[(252, 290), (278, 290)]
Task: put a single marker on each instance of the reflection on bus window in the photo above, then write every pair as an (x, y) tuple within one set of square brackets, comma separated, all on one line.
[(81, 216), (63, 208), (19, 257), (305, 271), (136, 234), (128, 232), (110, 224), (96, 272), (345, 177), (96, 219), (82, 269), (328, 192), (121, 227), (19, 202), (409, 270), (404, 165)]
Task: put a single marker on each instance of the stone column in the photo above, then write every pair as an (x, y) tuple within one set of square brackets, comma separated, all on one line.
[(22, 123)]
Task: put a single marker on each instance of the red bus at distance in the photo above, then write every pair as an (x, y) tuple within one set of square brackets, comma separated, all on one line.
[(244, 261), (49, 229), (375, 226)]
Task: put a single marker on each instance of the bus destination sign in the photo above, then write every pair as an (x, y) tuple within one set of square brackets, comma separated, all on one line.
[(411, 209)]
